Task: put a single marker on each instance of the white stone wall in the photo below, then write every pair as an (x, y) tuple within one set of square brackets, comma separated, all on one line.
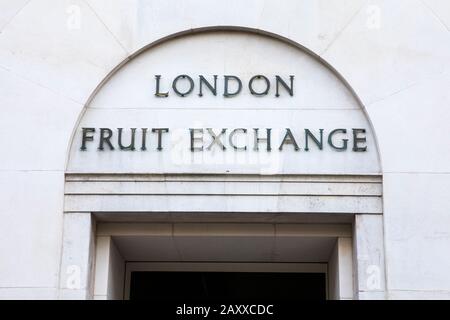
[(394, 54)]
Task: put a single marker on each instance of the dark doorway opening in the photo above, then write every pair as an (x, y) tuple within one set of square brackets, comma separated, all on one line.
[(185, 286)]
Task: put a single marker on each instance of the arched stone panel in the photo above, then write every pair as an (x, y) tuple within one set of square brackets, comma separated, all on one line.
[(320, 100)]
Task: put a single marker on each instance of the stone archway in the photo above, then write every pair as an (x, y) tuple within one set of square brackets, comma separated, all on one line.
[(157, 172)]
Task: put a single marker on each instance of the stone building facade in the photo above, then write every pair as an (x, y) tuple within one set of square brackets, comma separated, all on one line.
[(294, 136)]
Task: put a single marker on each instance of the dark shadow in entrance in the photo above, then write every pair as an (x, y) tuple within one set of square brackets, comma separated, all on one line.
[(185, 286)]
